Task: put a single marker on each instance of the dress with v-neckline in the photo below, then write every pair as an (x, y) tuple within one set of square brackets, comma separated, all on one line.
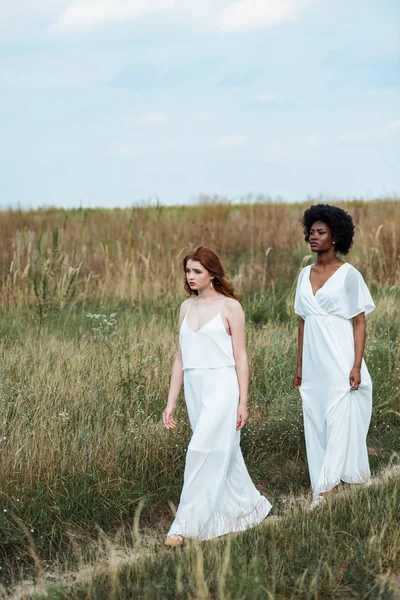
[(325, 282), (336, 418), (221, 304), (205, 324), (218, 495), (209, 347)]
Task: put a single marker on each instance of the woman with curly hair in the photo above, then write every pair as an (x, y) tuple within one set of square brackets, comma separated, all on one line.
[(332, 301), (218, 495)]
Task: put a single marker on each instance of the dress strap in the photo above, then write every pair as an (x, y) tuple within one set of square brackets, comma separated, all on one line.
[(221, 306), (189, 307)]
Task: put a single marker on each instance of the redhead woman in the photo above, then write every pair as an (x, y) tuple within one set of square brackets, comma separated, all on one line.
[(218, 495), (332, 301)]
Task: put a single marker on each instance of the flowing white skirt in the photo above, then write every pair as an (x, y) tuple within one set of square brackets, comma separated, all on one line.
[(218, 495), (336, 420)]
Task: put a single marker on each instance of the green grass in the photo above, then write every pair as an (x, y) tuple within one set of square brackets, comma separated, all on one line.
[(346, 549), (81, 438)]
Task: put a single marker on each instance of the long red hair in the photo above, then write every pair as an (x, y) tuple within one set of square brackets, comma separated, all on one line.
[(210, 261)]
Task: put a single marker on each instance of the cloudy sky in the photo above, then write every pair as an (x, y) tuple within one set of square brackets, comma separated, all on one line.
[(114, 102)]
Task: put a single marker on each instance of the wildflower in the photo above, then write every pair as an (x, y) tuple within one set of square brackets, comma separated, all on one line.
[(103, 327)]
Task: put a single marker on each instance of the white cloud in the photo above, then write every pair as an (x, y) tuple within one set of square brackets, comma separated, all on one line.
[(9, 10), (151, 119), (393, 125), (127, 151), (372, 134), (363, 136), (89, 14), (231, 141), (257, 14), (216, 15)]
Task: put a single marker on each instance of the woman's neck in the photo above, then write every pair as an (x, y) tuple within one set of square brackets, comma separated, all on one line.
[(208, 295), (326, 259)]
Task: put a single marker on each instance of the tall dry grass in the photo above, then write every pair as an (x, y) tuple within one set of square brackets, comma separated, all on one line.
[(81, 438), (50, 256)]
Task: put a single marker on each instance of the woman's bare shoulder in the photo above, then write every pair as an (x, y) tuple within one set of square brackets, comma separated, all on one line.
[(233, 306), (184, 308), (186, 302), (185, 305)]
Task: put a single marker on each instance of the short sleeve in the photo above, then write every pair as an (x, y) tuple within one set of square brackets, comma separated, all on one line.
[(357, 296), (297, 301)]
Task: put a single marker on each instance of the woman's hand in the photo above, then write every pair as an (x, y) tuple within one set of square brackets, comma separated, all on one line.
[(355, 378), (167, 416), (241, 418), (297, 379)]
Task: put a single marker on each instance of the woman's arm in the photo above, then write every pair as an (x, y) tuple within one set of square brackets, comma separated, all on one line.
[(174, 390), (359, 333), (176, 381), (299, 364), (236, 321)]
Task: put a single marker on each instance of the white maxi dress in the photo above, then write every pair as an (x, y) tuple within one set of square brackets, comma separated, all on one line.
[(336, 419), (218, 495)]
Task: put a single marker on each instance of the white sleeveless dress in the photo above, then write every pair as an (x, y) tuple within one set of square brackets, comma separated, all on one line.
[(336, 419), (218, 495)]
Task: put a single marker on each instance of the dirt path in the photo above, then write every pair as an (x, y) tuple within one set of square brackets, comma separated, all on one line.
[(116, 559), (149, 544)]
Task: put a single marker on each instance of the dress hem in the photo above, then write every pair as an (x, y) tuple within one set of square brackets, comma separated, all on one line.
[(257, 515), (332, 486)]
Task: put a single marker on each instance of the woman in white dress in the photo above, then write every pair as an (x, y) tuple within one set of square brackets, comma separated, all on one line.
[(218, 495), (332, 301)]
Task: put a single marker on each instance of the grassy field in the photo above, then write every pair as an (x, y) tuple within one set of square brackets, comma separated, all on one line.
[(51, 257), (288, 558), (89, 303)]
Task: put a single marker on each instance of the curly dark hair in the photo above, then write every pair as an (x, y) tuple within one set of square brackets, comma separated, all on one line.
[(338, 220)]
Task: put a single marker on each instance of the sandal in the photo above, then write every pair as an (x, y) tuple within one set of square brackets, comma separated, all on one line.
[(175, 540)]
